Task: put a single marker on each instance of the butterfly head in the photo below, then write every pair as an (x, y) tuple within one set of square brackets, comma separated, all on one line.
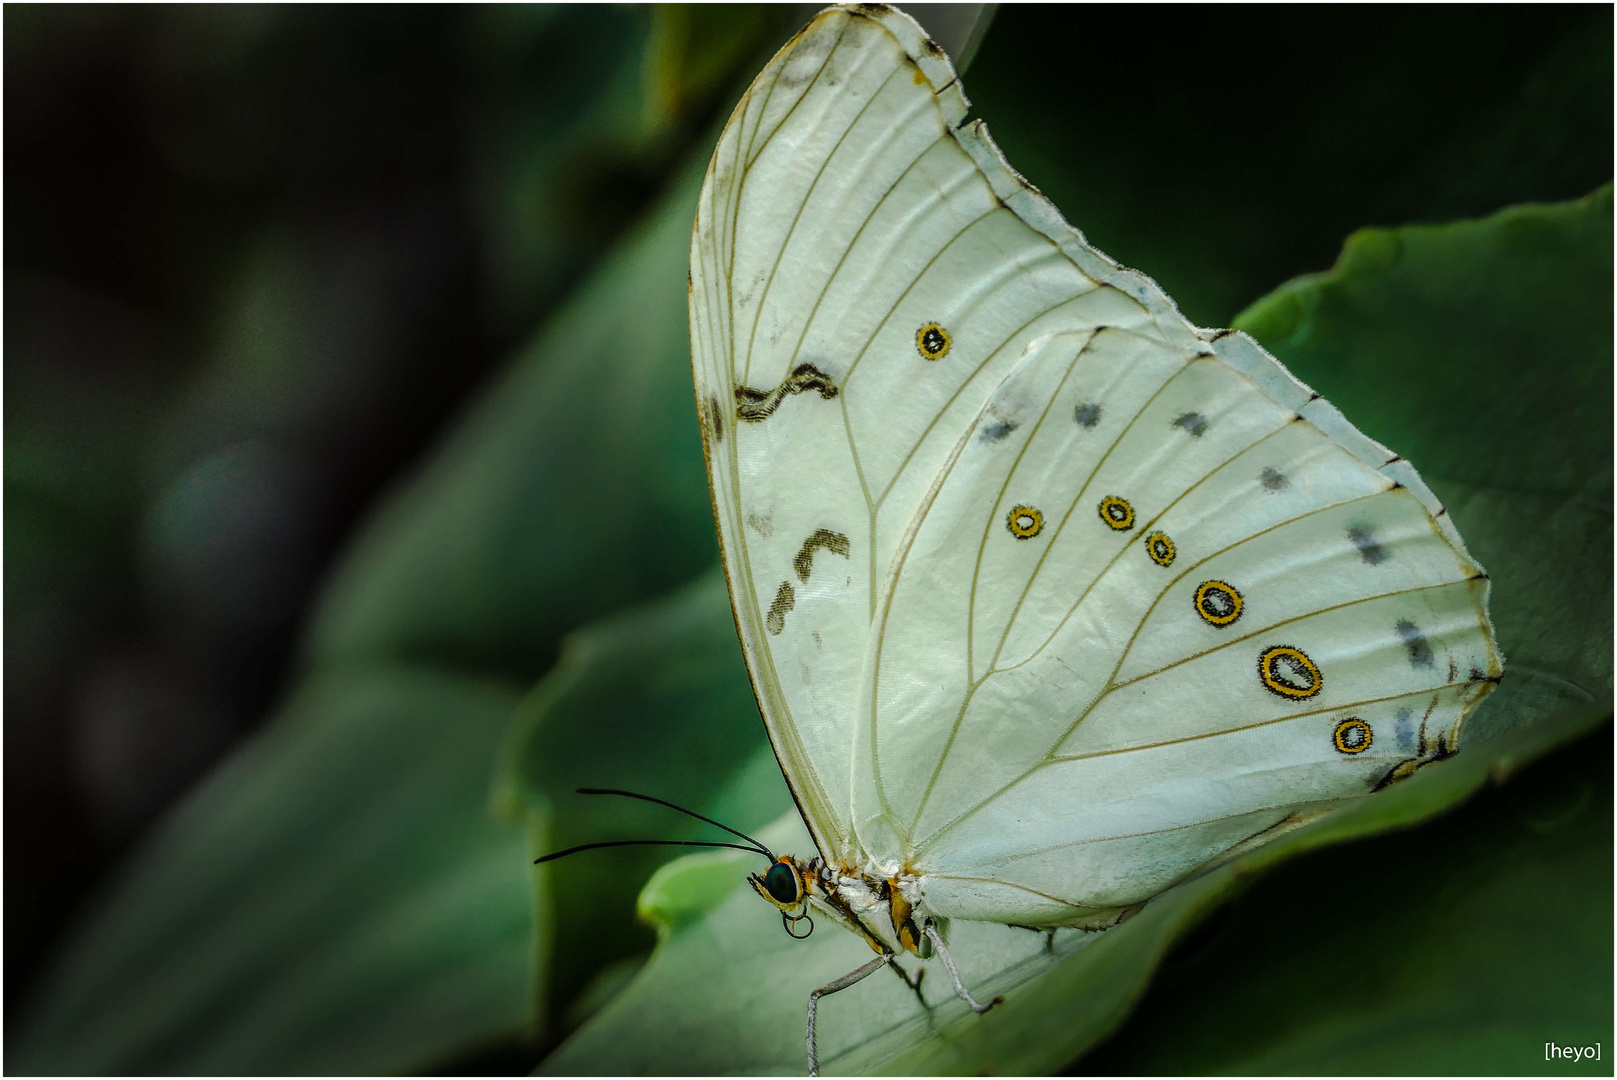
[(782, 884), (786, 885)]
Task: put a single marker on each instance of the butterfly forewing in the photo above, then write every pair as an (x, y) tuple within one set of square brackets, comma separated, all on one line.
[(858, 288)]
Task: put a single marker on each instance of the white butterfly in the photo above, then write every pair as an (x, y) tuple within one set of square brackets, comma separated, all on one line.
[(1050, 599)]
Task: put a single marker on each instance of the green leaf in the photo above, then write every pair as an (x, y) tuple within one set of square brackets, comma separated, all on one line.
[(1387, 337), (655, 700), (1497, 337), (1421, 114), (227, 948), (575, 485), (725, 991), (1459, 948), (1082, 999), (275, 947)]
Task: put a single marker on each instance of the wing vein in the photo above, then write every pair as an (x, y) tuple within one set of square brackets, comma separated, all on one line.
[(1285, 622), (1099, 697), (971, 603), (1073, 610), (1072, 508), (808, 196), (1338, 707)]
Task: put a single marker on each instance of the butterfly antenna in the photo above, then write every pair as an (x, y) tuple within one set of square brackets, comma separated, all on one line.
[(756, 846), (675, 806), (630, 843)]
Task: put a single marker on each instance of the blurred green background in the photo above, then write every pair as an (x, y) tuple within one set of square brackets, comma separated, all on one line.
[(333, 334)]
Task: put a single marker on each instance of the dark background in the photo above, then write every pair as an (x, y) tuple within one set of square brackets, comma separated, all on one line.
[(257, 258)]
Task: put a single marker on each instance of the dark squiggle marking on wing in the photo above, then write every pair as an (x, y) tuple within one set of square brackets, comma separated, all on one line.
[(755, 405), (834, 542), (715, 416), (1427, 752), (785, 599)]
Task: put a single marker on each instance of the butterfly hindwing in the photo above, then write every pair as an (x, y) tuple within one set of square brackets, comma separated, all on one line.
[(1162, 616)]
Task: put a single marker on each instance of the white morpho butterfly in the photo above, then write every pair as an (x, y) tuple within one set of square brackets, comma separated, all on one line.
[(1050, 599)]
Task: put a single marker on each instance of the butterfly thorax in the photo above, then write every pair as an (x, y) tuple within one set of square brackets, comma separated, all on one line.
[(880, 910)]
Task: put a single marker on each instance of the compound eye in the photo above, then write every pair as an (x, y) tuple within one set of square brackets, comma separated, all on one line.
[(781, 883)]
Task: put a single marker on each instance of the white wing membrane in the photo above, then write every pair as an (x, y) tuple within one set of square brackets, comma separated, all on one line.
[(842, 216), (1048, 597), (1112, 650)]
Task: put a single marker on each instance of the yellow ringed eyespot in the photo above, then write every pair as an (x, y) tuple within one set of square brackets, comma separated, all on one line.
[(1287, 671), (1353, 736), (1024, 522), (1117, 513), (933, 341), (1160, 548), (1218, 602)]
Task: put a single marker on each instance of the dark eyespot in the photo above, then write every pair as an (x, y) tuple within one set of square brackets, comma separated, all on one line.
[(1353, 736), (781, 883), (933, 341)]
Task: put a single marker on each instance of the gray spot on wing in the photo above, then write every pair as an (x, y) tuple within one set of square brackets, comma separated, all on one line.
[(997, 430), (1087, 416), (1273, 480), (1364, 538), (1192, 423), (1405, 732), (1420, 650)]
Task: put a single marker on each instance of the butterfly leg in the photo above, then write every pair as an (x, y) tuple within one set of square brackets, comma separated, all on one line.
[(915, 983), (830, 988), (954, 975)]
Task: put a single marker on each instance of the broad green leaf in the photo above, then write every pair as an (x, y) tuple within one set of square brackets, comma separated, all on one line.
[(574, 486), (725, 990), (1517, 956), (1459, 948), (1493, 373), (655, 700), (1307, 123), (574, 483), (1082, 999), (519, 530), (197, 960), (583, 112), (333, 900)]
